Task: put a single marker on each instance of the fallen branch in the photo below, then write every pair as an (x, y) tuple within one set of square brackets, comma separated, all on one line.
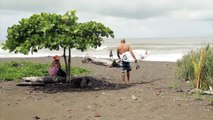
[(100, 61), (207, 92), (40, 81), (75, 82)]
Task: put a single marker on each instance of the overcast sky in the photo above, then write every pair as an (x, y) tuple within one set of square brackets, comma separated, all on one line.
[(127, 18)]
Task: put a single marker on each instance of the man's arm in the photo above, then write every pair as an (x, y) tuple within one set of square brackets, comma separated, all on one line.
[(133, 55)]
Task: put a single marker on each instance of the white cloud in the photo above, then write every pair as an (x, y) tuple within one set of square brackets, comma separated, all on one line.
[(128, 18), (138, 9), (31, 5), (193, 14)]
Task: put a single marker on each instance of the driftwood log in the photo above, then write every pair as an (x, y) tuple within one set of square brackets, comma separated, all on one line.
[(40, 81), (75, 82), (207, 92), (101, 61), (204, 92)]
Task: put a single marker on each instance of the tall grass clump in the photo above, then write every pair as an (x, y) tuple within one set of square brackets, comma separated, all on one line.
[(197, 67), (16, 70)]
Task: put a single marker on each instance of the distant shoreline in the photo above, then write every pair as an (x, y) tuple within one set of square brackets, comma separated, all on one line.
[(49, 59), (162, 49)]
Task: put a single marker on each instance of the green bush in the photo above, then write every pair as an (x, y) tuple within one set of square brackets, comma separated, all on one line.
[(78, 71), (16, 70), (187, 66), (184, 69)]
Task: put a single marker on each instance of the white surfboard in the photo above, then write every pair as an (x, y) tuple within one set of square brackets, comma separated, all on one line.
[(139, 54)]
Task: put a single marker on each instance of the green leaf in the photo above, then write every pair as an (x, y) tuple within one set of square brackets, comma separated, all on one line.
[(65, 17)]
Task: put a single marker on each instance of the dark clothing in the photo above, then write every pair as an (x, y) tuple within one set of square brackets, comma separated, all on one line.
[(61, 73), (125, 66)]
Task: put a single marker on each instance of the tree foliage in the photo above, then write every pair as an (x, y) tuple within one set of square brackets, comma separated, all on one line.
[(54, 31)]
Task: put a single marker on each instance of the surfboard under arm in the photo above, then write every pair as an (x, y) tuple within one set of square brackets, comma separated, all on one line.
[(139, 54)]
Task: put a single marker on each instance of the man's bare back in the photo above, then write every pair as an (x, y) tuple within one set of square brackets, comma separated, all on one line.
[(122, 48)]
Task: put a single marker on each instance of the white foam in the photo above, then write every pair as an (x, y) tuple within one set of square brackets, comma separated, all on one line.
[(151, 57), (100, 48), (42, 53), (164, 57)]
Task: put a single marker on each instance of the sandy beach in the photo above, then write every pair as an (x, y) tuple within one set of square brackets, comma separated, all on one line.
[(149, 96)]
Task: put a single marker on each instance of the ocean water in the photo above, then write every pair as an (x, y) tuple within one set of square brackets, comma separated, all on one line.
[(162, 49)]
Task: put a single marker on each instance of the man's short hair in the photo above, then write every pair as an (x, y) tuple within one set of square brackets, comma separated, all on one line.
[(123, 40)]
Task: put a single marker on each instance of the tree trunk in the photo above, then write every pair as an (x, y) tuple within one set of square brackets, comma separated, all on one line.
[(66, 65), (69, 66), (65, 59)]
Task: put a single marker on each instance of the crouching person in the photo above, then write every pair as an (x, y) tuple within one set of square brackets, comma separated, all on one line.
[(55, 68)]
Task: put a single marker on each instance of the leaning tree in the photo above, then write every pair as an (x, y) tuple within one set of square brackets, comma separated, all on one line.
[(54, 31)]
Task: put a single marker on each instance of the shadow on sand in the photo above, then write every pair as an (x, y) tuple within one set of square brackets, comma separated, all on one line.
[(85, 84)]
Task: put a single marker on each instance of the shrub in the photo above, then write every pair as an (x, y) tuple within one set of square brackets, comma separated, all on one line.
[(16, 70), (197, 67)]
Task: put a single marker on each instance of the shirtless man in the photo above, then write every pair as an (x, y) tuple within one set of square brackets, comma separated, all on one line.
[(122, 48)]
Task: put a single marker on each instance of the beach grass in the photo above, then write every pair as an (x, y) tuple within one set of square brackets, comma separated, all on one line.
[(197, 95), (210, 99), (174, 84), (15, 70), (197, 67)]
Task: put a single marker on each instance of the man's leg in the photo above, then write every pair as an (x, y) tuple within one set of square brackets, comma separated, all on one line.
[(128, 76), (123, 76), (128, 72)]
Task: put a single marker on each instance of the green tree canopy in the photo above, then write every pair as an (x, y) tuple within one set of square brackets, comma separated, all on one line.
[(54, 31)]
